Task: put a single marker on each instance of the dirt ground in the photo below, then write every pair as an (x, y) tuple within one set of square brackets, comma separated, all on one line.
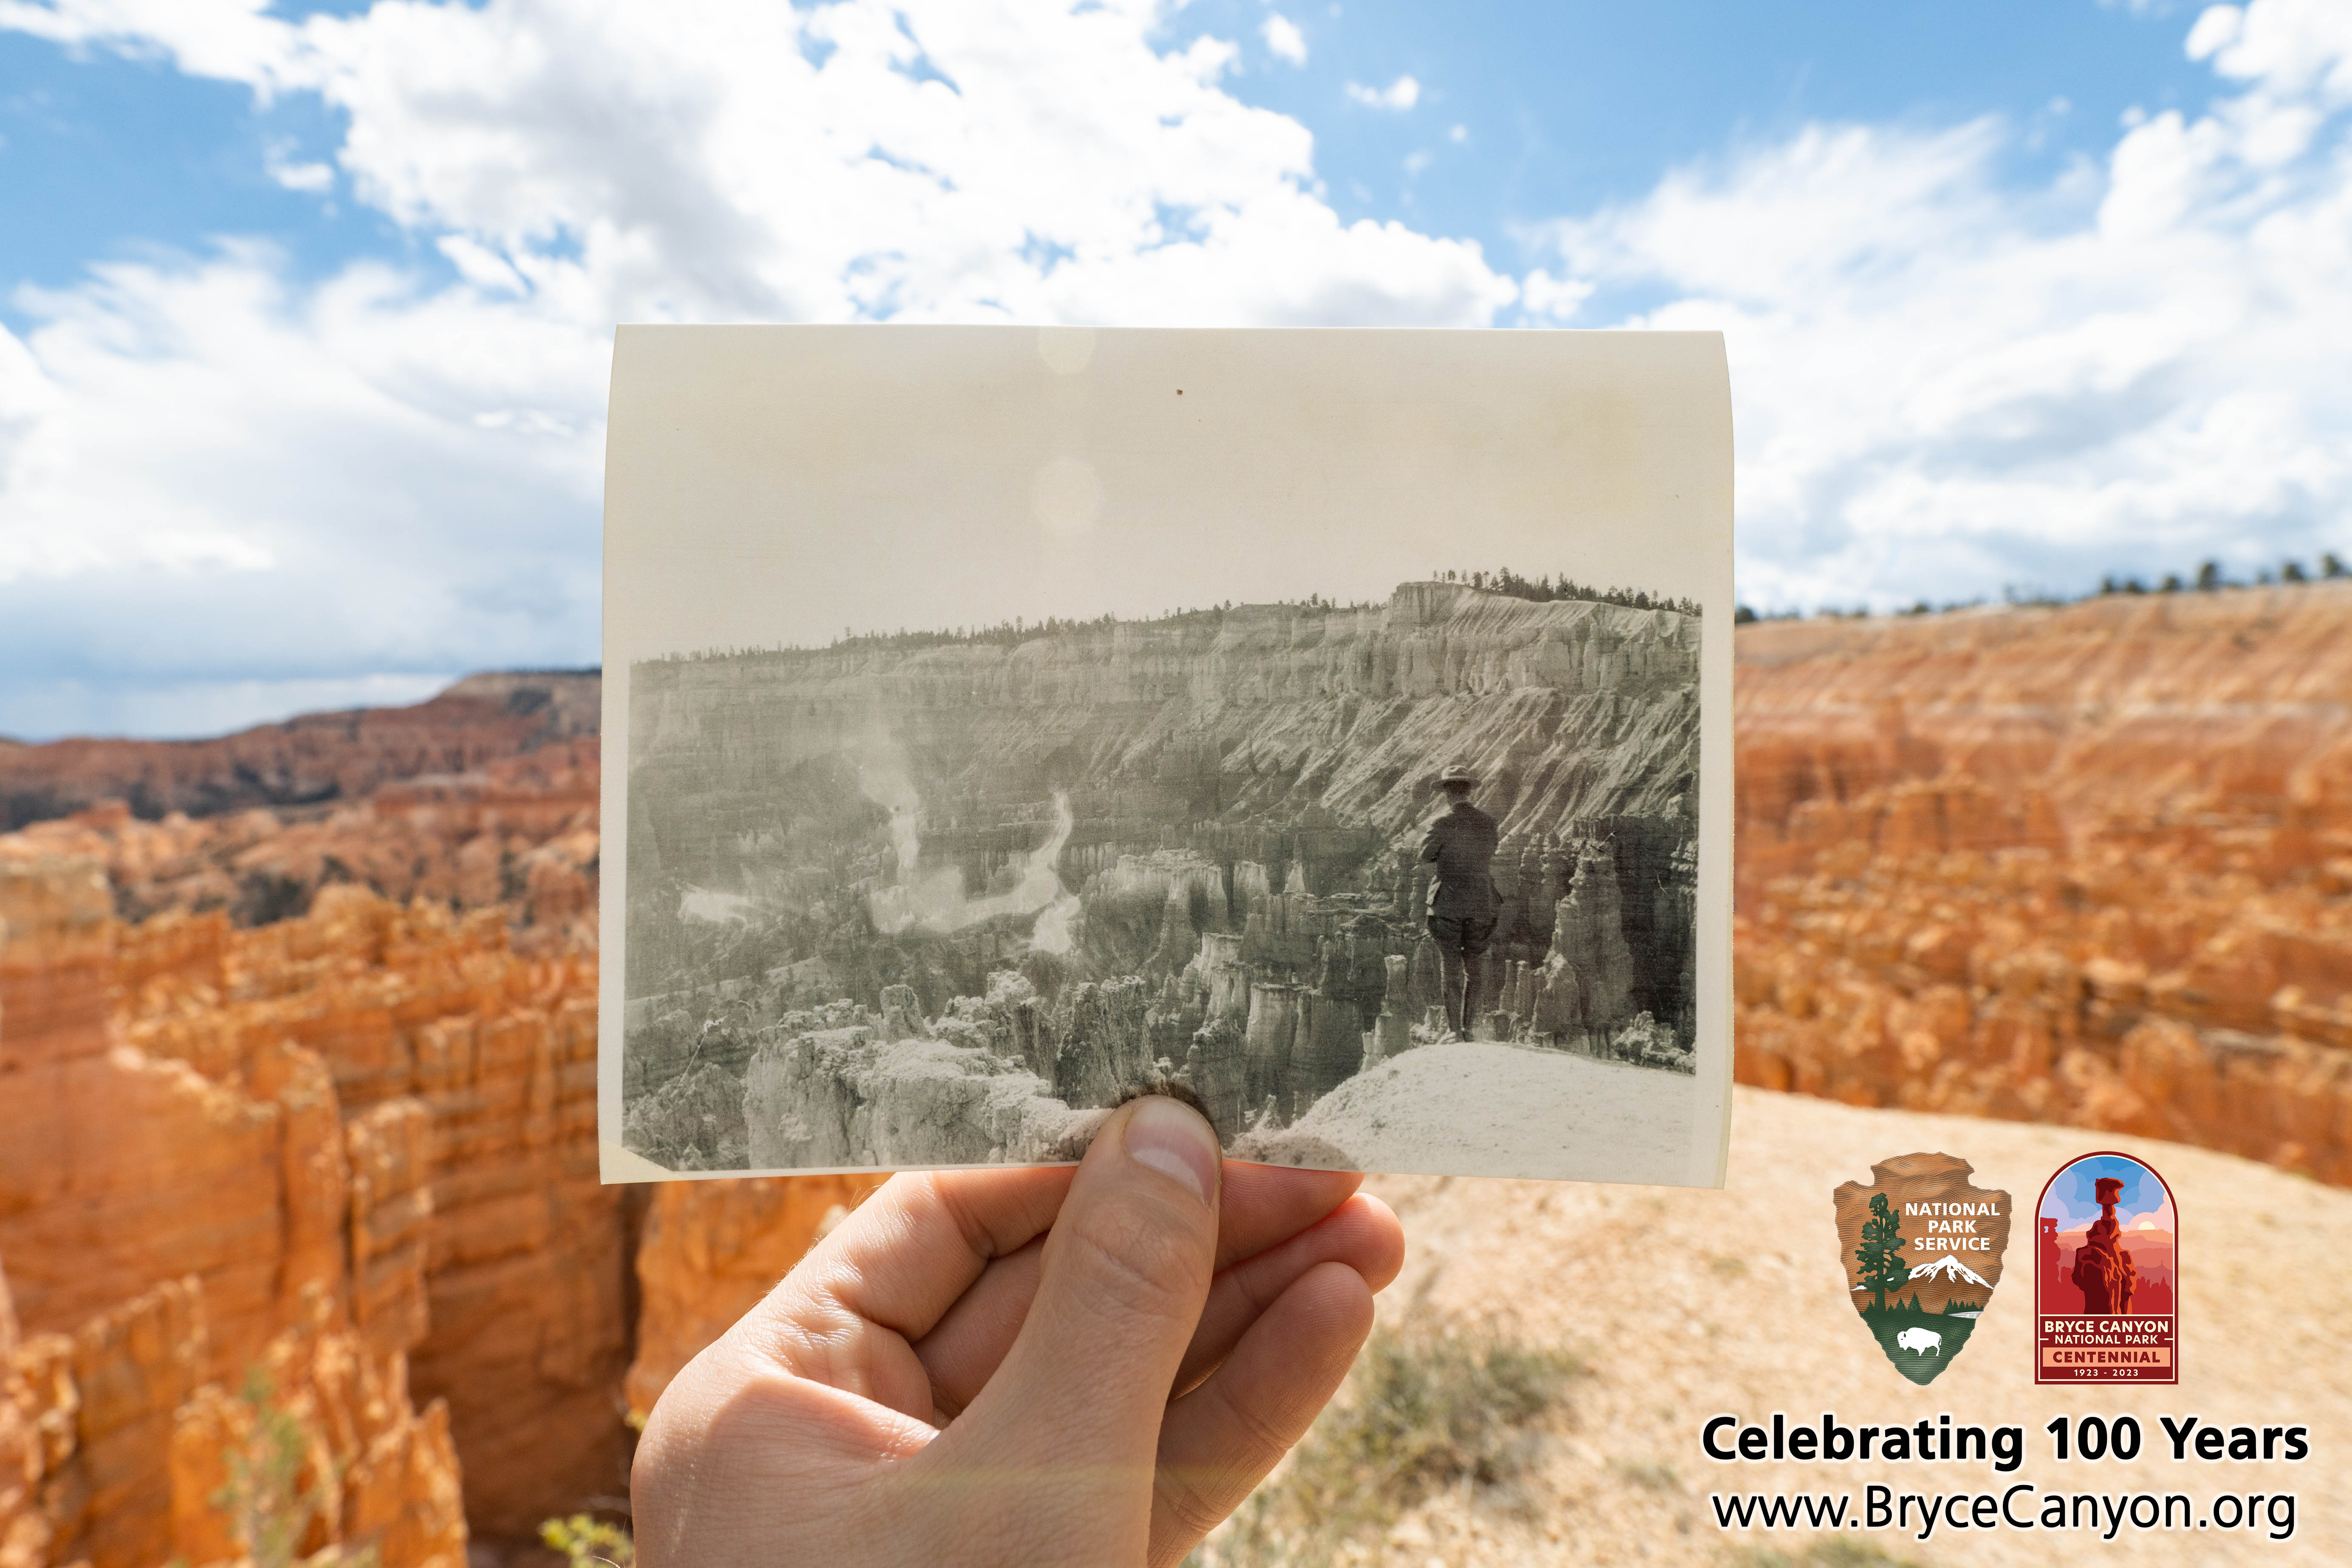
[(1689, 1304)]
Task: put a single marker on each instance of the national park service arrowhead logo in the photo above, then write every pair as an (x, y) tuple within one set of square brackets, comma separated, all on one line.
[(1921, 1252)]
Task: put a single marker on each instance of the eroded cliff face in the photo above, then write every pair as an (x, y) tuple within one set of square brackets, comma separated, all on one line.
[(2084, 864), (1272, 716), (167, 1232), (338, 1054), (451, 1056), (1254, 1026)]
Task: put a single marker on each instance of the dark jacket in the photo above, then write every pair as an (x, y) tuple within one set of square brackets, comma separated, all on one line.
[(1462, 842)]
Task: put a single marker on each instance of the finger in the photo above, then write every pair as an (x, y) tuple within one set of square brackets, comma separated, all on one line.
[(965, 1349), (846, 1315), (1070, 1423), (963, 1353), (909, 1251), (1220, 1440), (1260, 1206), (1361, 1234)]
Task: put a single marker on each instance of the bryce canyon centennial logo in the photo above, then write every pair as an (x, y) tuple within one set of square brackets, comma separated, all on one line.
[(1922, 1255), (2104, 1281)]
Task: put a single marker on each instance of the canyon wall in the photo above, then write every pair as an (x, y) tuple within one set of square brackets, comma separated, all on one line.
[(429, 1014), (326, 1072), (375, 1111), (315, 758), (2083, 864), (285, 1241), (1287, 736)]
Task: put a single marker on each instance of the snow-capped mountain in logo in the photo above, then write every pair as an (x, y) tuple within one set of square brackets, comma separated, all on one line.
[(1949, 1268)]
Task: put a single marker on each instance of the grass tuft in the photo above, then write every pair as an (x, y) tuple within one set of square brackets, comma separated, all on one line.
[(1821, 1554), (1656, 1478), (1430, 1406)]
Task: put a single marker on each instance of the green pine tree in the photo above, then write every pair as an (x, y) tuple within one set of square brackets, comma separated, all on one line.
[(1882, 1269)]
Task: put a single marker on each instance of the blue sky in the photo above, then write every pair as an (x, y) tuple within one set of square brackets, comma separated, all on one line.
[(1563, 106), (307, 306), (2074, 1193), (1570, 106)]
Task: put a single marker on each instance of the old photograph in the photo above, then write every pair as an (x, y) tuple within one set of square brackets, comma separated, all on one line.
[(939, 844)]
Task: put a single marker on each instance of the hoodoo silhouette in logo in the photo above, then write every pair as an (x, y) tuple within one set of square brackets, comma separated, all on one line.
[(1921, 1252), (2104, 1256)]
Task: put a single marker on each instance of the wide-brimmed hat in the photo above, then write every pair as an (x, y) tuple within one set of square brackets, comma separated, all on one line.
[(1457, 772)]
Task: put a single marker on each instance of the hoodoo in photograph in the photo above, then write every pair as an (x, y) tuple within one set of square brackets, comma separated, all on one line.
[(1405, 875)]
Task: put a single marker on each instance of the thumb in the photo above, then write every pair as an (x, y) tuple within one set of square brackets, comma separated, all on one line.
[(1075, 1406)]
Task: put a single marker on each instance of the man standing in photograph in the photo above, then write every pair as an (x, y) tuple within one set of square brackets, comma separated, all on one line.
[(1463, 907)]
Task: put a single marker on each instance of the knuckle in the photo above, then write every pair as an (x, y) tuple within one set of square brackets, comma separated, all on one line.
[(1190, 1512), (1262, 1435), (1139, 1262)]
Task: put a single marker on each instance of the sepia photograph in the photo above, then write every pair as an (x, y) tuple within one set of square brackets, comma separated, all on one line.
[(1404, 872)]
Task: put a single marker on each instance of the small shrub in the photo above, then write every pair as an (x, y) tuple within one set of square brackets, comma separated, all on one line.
[(585, 1541), (1656, 1478), (1429, 1406), (270, 1510)]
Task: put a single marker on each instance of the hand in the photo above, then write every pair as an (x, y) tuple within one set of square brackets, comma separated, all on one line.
[(1023, 1367)]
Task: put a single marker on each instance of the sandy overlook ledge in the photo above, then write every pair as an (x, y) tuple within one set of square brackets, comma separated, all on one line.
[(1686, 1305)]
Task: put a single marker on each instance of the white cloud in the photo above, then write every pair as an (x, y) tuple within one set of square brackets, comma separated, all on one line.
[(1552, 301), (211, 473), (1397, 96), (1283, 38), (648, 160), (229, 485), (232, 39), (312, 179), (1945, 387)]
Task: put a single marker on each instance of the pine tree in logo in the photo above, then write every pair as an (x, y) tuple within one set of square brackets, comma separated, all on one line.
[(1880, 1254)]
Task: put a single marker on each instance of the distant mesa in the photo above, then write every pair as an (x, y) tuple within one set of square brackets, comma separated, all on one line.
[(313, 759)]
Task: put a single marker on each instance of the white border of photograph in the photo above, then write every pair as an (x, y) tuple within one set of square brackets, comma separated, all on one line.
[(768, 486)]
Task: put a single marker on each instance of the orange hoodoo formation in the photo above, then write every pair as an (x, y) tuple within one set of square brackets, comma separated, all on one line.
[(302, 1162), (301, 1152), (326, 1171), (2085, 864)]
